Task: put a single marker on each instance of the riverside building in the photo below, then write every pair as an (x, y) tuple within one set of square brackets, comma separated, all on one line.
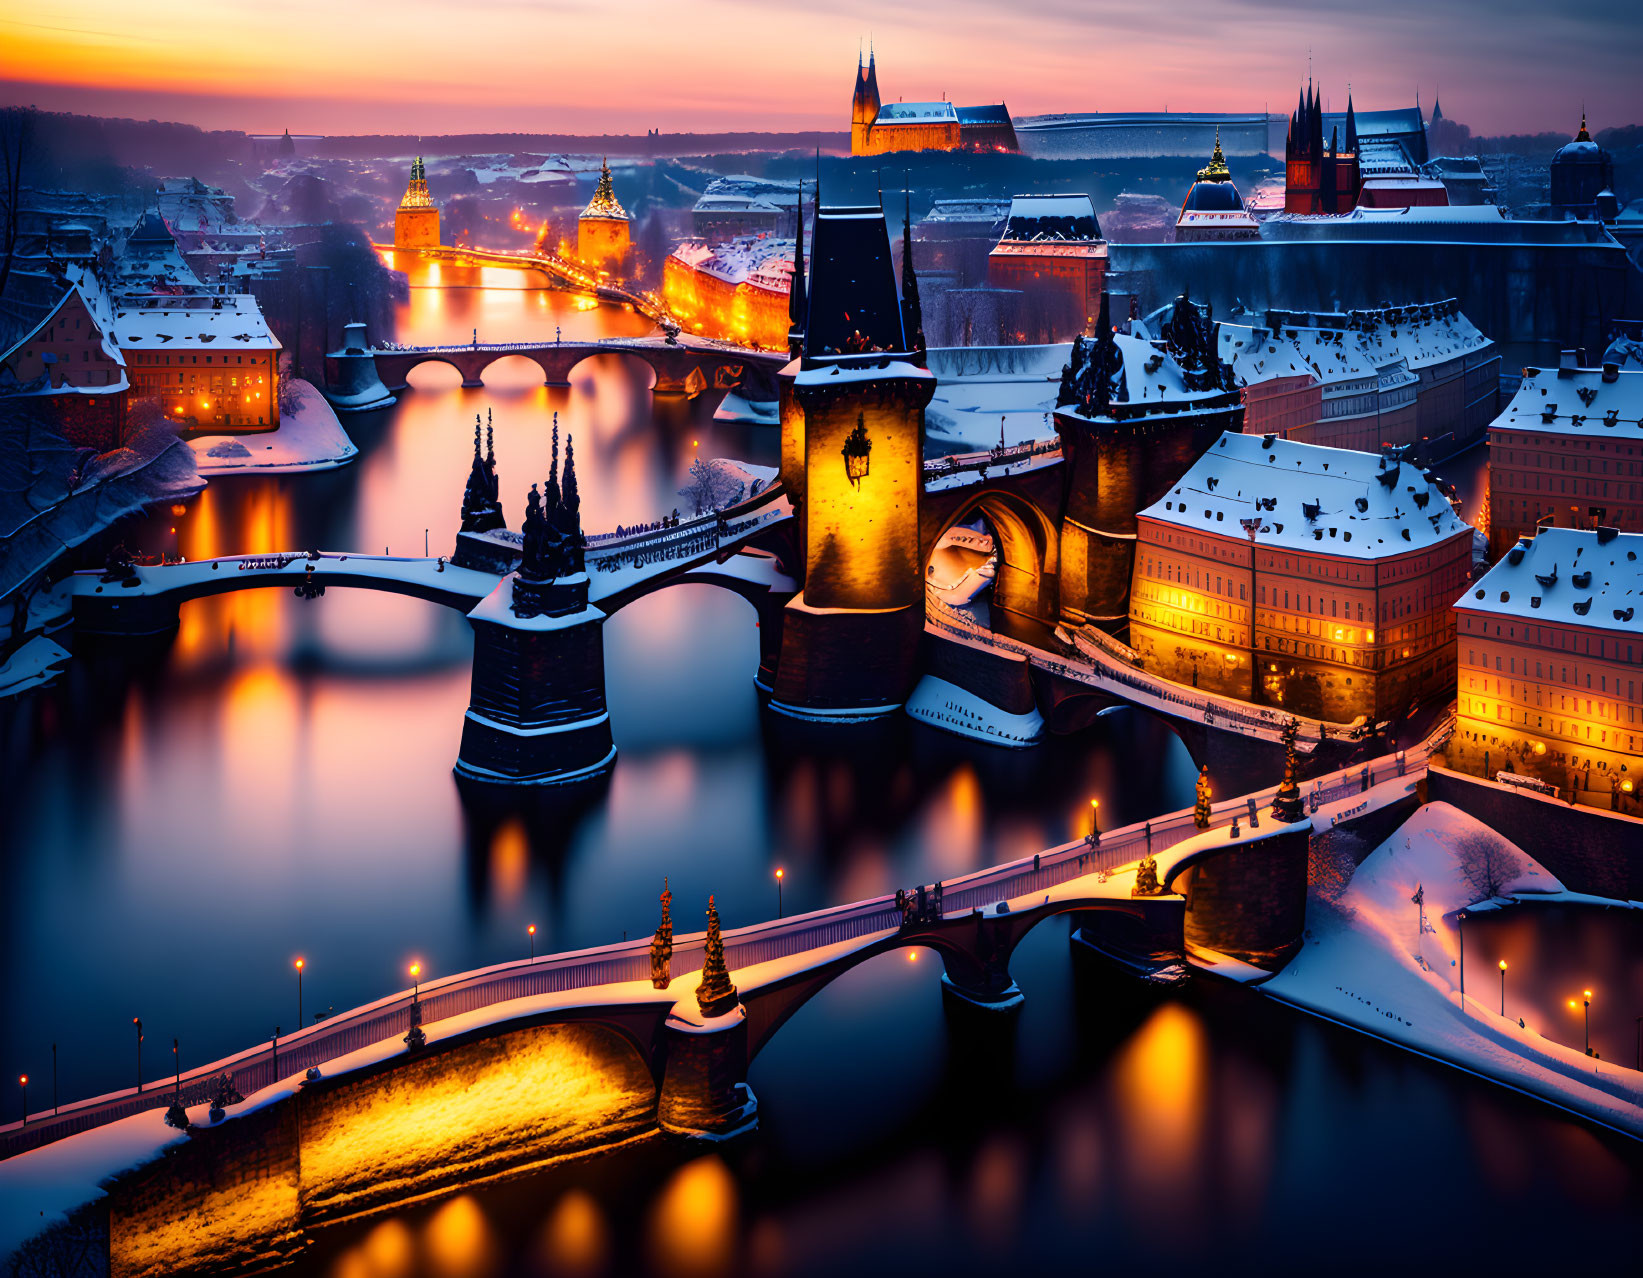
[(1316, 580), (416, 221), (1568, 451), (1550, 665)]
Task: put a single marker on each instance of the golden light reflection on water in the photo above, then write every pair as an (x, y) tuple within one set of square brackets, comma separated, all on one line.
[(998, 1179), (952, 824), (458, 1240), (692, 1231), (510, 860), (575, 1240), (1160, 1080)]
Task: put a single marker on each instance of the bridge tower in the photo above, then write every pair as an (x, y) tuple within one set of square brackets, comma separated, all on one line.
[(536, 715), (416, 221), (850, 639)]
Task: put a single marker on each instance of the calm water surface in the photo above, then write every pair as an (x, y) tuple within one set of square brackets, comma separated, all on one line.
[(187, 815)]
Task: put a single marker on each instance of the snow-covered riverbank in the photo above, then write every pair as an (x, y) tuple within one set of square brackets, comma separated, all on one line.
[(309, 438), (1370, 964)]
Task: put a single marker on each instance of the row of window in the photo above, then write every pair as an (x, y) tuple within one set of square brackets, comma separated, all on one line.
[(1565, 729), (1556, 637)]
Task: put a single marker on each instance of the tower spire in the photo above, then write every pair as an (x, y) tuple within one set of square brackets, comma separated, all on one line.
[(1583, 135), (551, 493), (912, 313)]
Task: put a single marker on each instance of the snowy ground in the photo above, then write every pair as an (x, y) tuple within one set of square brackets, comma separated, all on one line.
[(1366, 965), (756, 412), (309, 438), (36, 663), (981, 389)]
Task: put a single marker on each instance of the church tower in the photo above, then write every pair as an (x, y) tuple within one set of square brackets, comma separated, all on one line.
[(850, 639), (416, 222), (864, 105)]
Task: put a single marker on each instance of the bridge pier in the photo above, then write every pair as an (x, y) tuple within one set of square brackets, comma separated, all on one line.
[(537, 712), (977, 973), (351, 381), (704, 1093)]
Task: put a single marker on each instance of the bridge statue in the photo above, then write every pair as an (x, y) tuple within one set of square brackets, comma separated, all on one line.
[(661, 945), (481, 500), (715, 995)]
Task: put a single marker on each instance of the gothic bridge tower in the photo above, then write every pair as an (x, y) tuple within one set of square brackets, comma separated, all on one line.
[(850, 639)]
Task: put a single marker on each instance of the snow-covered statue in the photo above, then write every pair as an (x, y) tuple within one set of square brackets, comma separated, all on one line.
[(1146, 878)]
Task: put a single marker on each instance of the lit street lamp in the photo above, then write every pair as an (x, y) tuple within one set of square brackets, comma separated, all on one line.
[(416, 981), (300, 964), (1460, 931), (531, 932), (1586, 1003), (1095, 822), (1503, 988), (23, 1082), (779, 875)]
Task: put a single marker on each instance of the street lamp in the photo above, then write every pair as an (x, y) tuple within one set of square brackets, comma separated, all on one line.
[(1503, 987), (23, 1082), (1460, 931), (300, 964), (416, 980), (531, 932), (1586, 1003), (137, 1021)]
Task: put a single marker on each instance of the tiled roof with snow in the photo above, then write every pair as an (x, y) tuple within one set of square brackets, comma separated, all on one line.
[(1420, 336), (1574, 576), (1052, 217), (1308, 498), (1554, 401), (233, 322), (760, 257)]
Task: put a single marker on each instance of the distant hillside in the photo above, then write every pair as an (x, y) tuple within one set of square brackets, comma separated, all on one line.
[(374, 146)]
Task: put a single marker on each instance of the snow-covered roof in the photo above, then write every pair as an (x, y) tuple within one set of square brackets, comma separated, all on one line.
[(916, 113), (1330, 501), (233, 322), (1576, 576), (91, 297), (966, 211), (1052, 217), (1576, 401), (763, 259)]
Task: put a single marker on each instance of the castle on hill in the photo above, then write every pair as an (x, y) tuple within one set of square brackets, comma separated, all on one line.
[(877, 127)]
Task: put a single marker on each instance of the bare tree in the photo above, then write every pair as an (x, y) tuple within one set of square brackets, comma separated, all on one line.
[(712, 486), (1488, 861), (16, 139)]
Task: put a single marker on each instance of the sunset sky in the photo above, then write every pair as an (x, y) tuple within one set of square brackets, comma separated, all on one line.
[(436, 66)]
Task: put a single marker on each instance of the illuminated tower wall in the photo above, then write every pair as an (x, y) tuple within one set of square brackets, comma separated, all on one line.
[(850, 639), (416, 221)]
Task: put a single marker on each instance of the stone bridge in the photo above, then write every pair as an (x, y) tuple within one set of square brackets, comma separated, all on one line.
[(569, 1053), (687, 365)]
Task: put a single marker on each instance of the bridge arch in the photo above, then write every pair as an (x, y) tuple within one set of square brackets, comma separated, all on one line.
[(462, 373), (1026, 542), (967, 952)]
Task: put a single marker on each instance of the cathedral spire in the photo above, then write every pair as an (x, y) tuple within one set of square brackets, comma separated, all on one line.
[(1351, 124), (1583, 135), (1216, 170), (912, 313)]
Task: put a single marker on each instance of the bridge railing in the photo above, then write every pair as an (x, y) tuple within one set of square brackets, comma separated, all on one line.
[(953, 463), (1211, 709), (687, 541), (389, 1018)]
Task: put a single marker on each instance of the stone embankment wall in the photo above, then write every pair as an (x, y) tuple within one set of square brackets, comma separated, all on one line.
[(241, 1195), (1589, 850)]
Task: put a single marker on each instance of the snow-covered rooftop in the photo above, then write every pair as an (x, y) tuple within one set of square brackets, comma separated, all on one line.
[(234, 321), (917, 113), (1322, 500), (762, 259), (1578, 401), (1052, 217), (1576, 576)]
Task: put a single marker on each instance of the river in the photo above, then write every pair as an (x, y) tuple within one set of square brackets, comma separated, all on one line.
[(187, 816)]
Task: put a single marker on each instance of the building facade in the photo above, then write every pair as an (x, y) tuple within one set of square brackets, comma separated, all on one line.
[(877, 128), (69, 365), (1320, 178), (416, 221), (1567, 452), (737, 291), (211, 362), (1582, 176), (603, 230), (1550, 666), (1052, 248), (1316, 580)]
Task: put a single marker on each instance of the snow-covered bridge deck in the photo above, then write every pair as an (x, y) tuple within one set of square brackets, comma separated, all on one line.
[(1107, 673), (763, 956)]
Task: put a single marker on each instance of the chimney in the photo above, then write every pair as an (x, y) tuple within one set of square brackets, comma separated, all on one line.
[(1611, 371)]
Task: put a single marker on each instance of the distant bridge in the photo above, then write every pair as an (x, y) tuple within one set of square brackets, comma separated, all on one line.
[(686, 365)]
